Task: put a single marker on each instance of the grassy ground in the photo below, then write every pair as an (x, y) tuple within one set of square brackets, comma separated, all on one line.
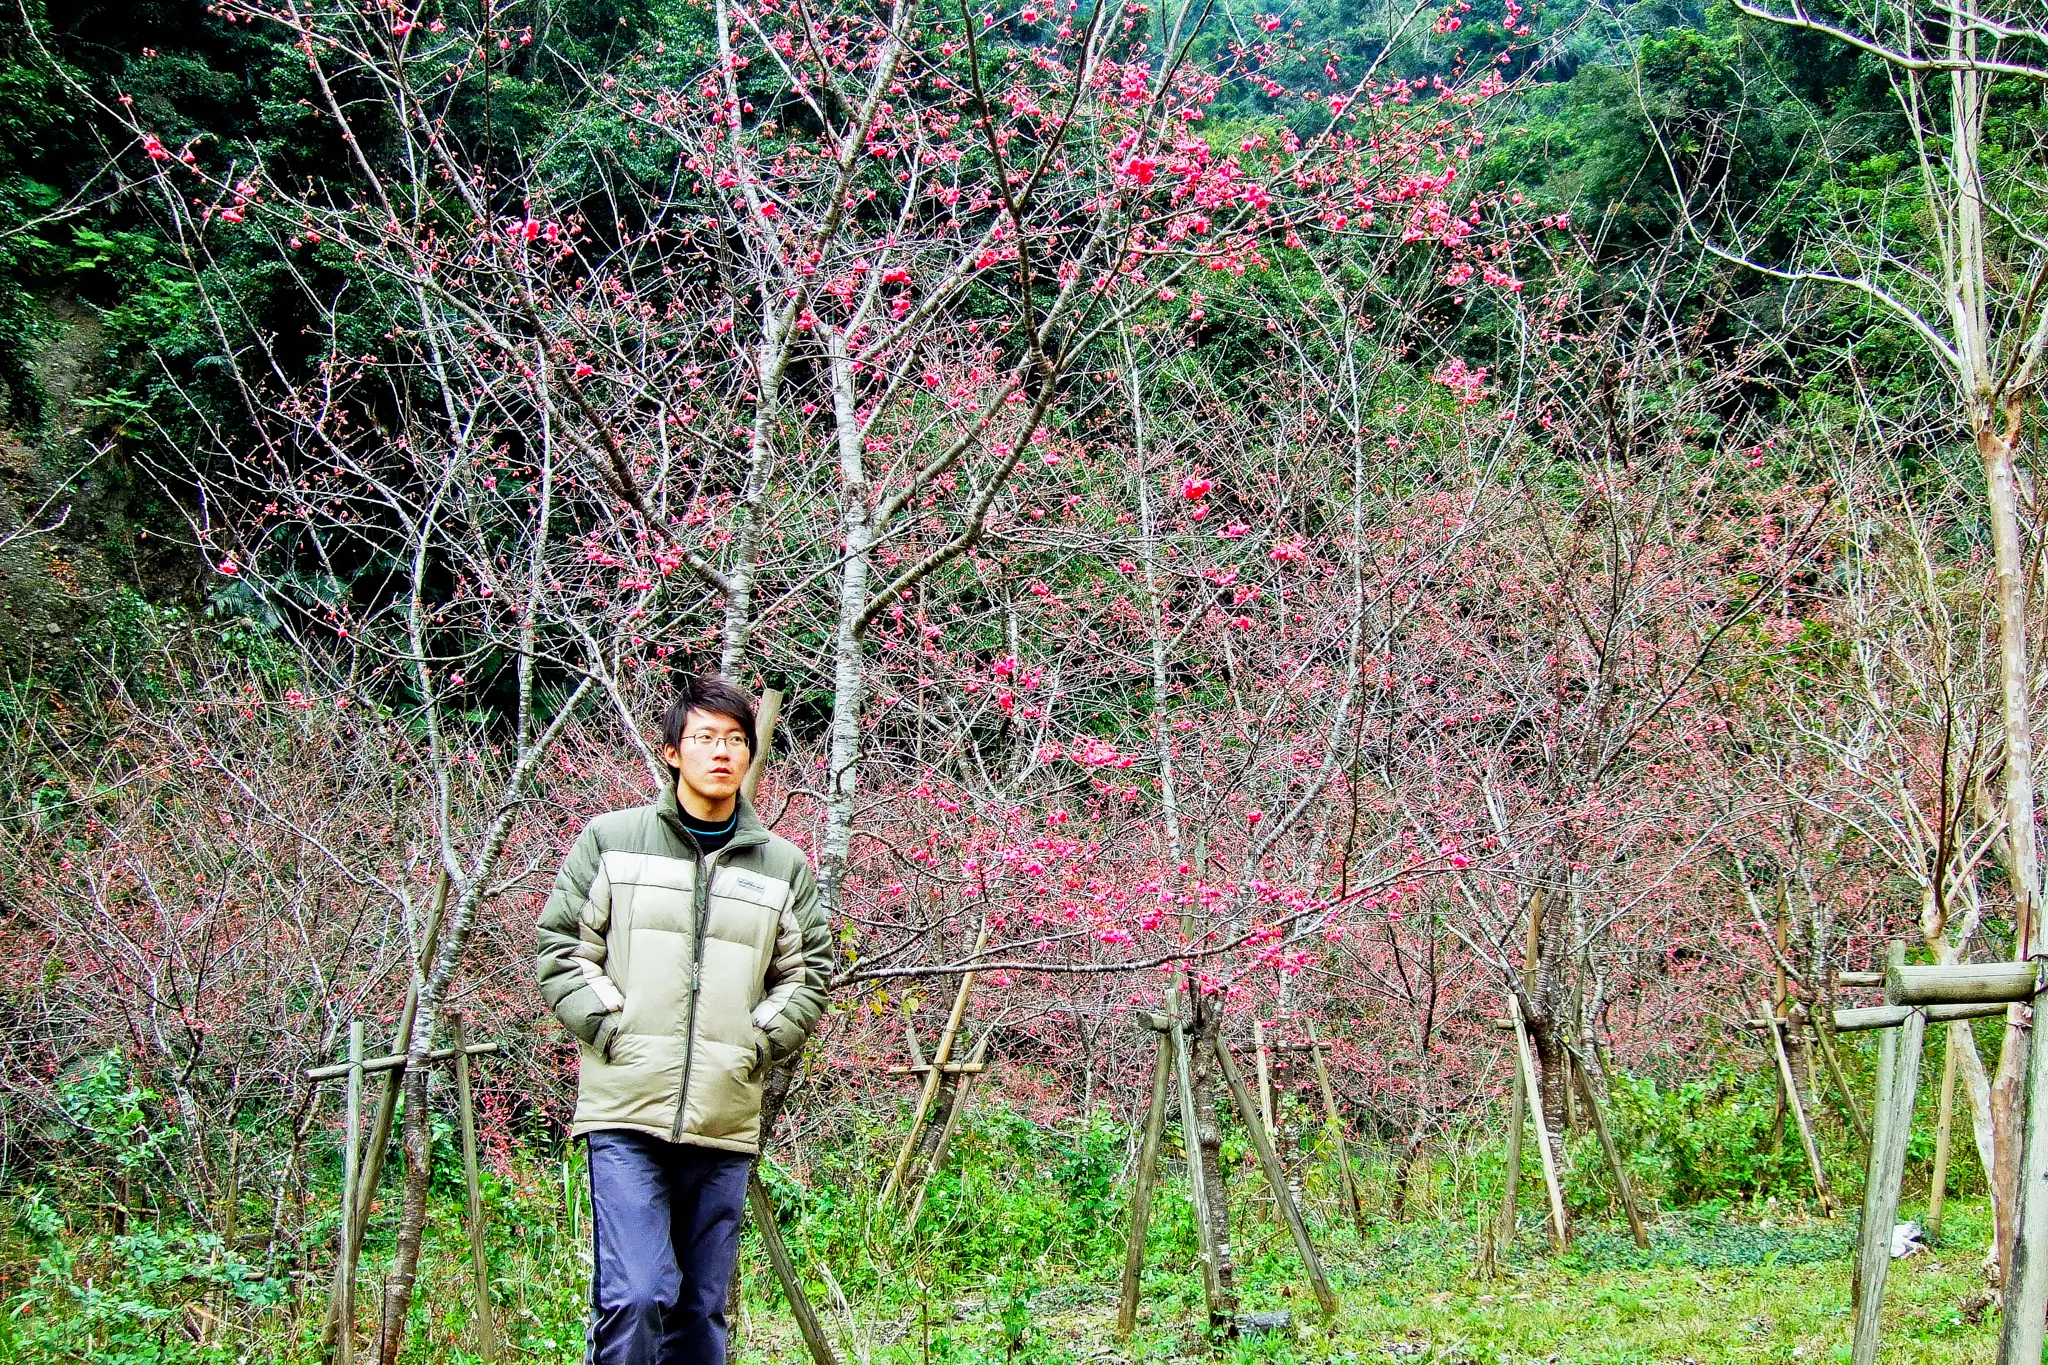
[(1017, 1259), (1715, 1289)]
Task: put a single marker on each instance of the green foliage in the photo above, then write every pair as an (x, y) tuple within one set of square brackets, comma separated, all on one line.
[(1015, 1198), (113, 1118), (133, 1293), (129, 1299), (1710, 1140)]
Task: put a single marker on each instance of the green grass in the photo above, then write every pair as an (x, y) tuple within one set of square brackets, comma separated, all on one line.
[(1714, 1289), (1017, 1259)]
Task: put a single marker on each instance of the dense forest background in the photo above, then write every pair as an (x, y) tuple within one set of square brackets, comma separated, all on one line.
[(96, 302)]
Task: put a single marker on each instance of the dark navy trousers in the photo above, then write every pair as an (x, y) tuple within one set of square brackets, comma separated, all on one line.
[(665, 1235)]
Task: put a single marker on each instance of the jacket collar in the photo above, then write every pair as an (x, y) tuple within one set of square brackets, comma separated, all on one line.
[(748, 830)]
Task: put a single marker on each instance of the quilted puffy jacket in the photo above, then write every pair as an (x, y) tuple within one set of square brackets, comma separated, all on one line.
[(683, 975)]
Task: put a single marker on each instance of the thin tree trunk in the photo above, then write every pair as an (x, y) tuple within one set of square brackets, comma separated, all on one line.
[(405, 1261), (2023, 857), (1404, 1171), (2001, 488), (771, 362), (1983, 1122), (1209, 1151), (849, 663)]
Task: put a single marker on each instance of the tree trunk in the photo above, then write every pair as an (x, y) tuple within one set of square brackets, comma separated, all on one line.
[(1404, 1171), (849, 663), (1551, 1061), (2023, 858), (405, 1260), (1209, 1151), (771, 360), (942, 1104)]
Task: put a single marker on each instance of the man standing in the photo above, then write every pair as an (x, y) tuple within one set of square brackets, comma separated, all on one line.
[(685, 948)]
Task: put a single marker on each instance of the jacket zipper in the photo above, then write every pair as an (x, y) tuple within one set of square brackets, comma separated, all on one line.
[(700, 902), (700, 905)]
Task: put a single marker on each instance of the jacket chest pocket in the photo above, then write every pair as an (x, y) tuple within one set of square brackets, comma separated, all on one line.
[(746, 908)]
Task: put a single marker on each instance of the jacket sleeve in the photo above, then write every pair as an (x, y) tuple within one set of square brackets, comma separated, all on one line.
[(797, 976), (571, 960)]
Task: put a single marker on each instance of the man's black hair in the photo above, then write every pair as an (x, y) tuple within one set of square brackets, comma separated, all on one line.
[(711, 693)]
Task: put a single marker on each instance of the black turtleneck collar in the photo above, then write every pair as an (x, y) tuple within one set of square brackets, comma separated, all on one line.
[(711, 837)]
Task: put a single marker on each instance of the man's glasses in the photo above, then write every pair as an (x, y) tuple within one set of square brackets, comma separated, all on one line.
[(733, 743)]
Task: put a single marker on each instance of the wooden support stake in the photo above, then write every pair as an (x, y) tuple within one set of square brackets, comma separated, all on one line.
[(1615, 1164), (371, 1169), (1276, 1177), (1532, 1087), (345, 1310), (231, 1202), (1790, 1084), (1944, 1124), (1141, 1193), (785, 1272), (940, 1056), (1781, 988), (394, 1061), (1532, 950), (486, 1327), (1335, 1119), (2026, 1295), (1891, 1016), (765, 717), (1898, 1078), (1509, 1214), (961, 1088), (1198, 1184), (1976, 983), (1824, 1035), (1265, 1076)]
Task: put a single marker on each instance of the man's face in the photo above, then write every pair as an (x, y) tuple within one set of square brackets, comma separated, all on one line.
[(712, 756)]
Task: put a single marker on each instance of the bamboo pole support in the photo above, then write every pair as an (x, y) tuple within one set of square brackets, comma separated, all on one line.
[(371, 1168), (2026, 1294), (231, 1201), (1824, 1036), (486, 1324), (1789, 1085), (1141, 1192), (393, 1061), (1532, 1088), (1781, 987), (345, 1272), (1532, 951), (1898, 1077), (942, 1054), (1636, 1226), (1891, 1016), (1937, 1189), (1276, 1177), (1335, 1119), (1265, 1076), (807, 1323), (1512, 1182), (961, 1087), (769, 712), (1198, 1185)]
